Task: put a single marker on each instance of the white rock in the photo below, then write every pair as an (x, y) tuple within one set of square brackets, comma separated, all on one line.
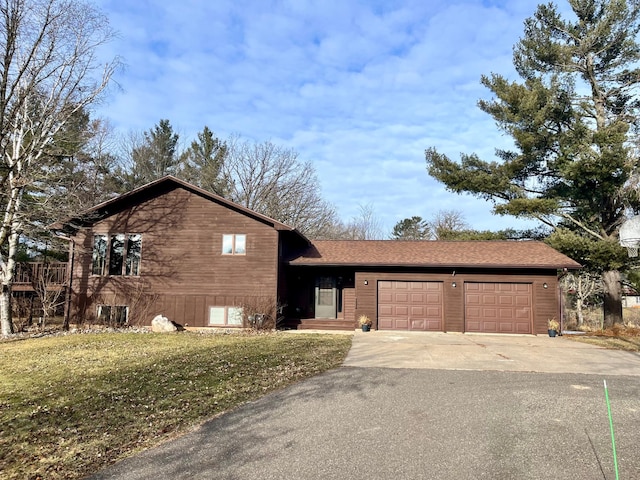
[(162, 324)]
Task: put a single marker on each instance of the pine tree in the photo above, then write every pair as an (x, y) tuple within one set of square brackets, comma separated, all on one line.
[(571, 116), (203, 164)]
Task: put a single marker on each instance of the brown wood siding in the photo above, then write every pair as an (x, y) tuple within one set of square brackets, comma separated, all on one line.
[(545, 302), (182, 270), (349, 304)]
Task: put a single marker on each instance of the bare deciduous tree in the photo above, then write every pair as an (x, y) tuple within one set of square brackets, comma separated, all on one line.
[(584, 286), (48, 72), (365, 226), (272, 181), (446, 221)]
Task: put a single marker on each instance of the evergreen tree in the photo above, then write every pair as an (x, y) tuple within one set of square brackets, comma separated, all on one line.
[(571, 117), (203, 164), (414, 228), (153, 156)]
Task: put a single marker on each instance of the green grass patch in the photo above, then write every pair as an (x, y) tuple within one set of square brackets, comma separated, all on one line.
[(71, 405)]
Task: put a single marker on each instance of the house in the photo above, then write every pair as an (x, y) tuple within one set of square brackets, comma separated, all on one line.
[(174, 249)]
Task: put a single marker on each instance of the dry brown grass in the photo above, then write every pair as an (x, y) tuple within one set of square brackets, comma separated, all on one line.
[(631, 344), (70, 405)]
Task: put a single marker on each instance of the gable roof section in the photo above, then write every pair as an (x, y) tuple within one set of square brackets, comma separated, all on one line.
[(483, 254), (154, 189)]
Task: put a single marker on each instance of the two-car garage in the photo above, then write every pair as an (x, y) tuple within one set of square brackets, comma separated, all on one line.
[(442, 286), (489, 307)]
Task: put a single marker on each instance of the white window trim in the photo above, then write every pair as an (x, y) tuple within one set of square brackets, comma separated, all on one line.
[(234, 243)]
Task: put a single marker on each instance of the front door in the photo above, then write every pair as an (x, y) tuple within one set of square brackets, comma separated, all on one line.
[(326, 296)]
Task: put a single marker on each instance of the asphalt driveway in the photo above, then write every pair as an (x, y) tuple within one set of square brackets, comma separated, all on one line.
[(459, 420)]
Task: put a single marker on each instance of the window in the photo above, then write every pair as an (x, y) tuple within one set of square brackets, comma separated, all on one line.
[(124, 254), (134, 252), (99, 260), (116, 254), (113, 314), (234, 244), (225, 316)]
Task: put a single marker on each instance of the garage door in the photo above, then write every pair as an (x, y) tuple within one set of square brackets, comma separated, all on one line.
[(410, 305), (497, 307)]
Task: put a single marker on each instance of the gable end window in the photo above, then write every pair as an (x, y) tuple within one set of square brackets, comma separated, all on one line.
[(234, 244), (118, 254)]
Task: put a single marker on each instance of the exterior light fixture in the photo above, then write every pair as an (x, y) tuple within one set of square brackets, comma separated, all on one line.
[(544, 285), (366, 282), (453, 284)]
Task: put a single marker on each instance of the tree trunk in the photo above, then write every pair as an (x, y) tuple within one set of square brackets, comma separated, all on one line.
[(8, 273), (612, 289), (579, 312), (5, 310)]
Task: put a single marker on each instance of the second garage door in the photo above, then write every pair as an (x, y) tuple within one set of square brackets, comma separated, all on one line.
[(497, 307), (409, 305)]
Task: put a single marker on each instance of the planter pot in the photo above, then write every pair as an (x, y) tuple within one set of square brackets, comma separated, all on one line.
[(366, 328), (552, 333)]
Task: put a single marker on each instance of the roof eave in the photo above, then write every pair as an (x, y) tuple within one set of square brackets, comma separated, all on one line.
[(436, 265)]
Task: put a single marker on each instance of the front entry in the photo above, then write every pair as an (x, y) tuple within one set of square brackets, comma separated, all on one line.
[(326, 297)]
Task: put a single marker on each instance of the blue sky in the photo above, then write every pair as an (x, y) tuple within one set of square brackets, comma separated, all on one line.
[(359, 88)]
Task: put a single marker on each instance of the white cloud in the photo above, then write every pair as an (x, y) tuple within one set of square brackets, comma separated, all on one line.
[(359, 88)]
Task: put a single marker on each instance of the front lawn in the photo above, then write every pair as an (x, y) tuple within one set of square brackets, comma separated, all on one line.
[(71, 405)]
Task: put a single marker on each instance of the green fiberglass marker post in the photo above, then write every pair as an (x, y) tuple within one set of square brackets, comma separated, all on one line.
[(613, 440)]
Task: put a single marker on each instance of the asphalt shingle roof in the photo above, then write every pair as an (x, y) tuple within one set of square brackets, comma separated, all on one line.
[(503, 254)]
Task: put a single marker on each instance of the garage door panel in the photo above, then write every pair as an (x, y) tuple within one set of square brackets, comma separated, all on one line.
[(418, 298), (401, 324), (434, 312), (500, 308), (473, 299), (506, 300), (385, 297), (410, 305)]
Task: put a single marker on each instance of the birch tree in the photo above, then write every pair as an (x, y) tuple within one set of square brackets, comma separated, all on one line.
[(49, 70)]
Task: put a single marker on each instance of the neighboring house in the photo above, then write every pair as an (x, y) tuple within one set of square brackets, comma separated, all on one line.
[(171, 248), (630, 297)]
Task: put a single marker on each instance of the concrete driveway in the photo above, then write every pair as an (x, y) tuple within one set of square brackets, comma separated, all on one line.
[(457, 351)]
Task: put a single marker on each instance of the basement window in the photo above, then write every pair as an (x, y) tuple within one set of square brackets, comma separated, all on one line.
[(225, 316), (113, 314)]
